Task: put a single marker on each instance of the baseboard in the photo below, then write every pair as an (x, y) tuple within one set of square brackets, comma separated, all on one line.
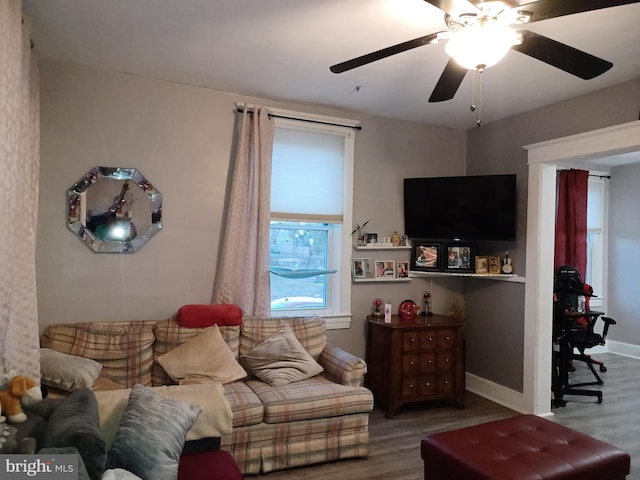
[(621, 348), (500, 394), (514, 400)]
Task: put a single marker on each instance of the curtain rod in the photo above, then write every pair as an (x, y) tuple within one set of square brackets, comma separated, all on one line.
[(273, 115), (608, 177)]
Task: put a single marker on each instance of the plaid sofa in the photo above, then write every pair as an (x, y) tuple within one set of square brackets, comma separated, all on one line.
[(311, 421)]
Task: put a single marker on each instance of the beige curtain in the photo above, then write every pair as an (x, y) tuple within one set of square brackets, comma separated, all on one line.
[(19, 163), (242, 275)]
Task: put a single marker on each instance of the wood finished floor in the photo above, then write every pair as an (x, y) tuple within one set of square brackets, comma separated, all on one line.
[(395, 443)]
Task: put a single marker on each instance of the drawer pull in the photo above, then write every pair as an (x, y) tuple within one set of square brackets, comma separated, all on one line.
[(411, 362), (446, 359), (413, 339)]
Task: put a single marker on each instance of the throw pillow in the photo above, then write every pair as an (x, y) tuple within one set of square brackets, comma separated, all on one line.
[(206, 355), (151, 435), (281, 359), (74, 423), (67, 372), (198, 316)]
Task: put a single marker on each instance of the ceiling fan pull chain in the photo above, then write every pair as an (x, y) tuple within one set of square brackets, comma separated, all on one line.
[(479, 118), (476, 98)]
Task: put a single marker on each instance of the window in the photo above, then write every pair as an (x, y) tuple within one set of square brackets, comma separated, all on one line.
[(311, 201), (595, 239)]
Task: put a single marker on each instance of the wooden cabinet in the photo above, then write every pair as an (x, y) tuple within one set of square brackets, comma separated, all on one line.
[(415, 361)]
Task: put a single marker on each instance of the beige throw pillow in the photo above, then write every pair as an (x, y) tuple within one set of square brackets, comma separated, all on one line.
[(281, 360), (206, 356)]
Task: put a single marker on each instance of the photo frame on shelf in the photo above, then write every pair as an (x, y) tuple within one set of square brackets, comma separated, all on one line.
[(494, 265), (385, 269), (372, 238), (482, 265), (425, 256), (357, 268), (402, 269), (459, 258), (362, 268)]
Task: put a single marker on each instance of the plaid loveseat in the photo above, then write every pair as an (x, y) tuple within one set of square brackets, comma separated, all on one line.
[(310, 421)]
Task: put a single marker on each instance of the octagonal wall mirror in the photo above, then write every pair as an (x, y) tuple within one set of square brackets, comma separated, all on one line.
[(114, 210)]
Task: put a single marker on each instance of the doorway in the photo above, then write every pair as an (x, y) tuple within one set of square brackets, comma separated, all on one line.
[(543, 159)]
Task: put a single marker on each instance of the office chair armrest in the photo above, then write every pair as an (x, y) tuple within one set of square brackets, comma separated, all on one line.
[(608, 321)]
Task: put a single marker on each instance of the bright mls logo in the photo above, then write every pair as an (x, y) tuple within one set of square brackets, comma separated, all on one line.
[(50, 467)]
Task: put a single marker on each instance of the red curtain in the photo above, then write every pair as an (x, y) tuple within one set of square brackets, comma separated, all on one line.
[(571, 220)]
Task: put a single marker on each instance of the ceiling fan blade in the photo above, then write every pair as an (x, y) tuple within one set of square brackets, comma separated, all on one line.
[(571, 60), (384, 53), (544, 9), (449, 82)]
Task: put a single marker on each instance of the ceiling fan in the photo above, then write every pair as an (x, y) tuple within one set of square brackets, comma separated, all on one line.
[(480, 33)]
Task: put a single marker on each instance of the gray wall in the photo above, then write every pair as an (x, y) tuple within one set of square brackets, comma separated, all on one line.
[(180, 138), (495, 333), (624, 253)]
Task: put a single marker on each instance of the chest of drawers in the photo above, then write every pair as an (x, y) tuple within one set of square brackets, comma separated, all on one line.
[(415, 361)]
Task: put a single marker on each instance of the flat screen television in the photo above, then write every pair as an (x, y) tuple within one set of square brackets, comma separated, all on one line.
[(471, 208)]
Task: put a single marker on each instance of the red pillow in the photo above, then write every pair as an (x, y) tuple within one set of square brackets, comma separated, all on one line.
[(199, 316), (217, 465)]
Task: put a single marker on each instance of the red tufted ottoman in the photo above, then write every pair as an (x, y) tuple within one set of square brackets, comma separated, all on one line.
[(525, 447)]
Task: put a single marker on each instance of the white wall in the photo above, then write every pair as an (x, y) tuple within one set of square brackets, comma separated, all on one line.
[(181, 138)]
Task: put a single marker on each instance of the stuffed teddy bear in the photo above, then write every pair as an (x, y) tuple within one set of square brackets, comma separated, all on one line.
[(19, 389)]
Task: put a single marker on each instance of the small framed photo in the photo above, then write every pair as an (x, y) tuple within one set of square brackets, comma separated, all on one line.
[(425, 256), (372, 238), (357, 268), (385, 269), (362, 268), (482, 264), (494, 265), (402, 269), (459, 258)]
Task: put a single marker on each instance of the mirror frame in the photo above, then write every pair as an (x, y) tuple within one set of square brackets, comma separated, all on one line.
[(78, 210)]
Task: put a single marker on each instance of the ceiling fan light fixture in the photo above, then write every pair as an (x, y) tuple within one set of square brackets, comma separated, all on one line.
[(481, 46)]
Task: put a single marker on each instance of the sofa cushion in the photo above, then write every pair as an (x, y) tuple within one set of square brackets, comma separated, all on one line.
[(316, 397), (199, 316), (67, 372), (205, 356), (74, 423), (125, 349), (151, 435), (281, 359), (214, 420), (169, 335), (246, 407), (310, 332)]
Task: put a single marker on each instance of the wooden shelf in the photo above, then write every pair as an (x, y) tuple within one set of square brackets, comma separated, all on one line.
[(503, 277)]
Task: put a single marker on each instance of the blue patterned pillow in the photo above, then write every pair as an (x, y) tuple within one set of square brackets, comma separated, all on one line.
[(151, 435)]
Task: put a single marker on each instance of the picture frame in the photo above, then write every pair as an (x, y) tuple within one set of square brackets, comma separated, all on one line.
[(494, 265), (459, 258), (362, 268), (372, 238), (402, 269), (426, 256), (482, 265), (385, 269)]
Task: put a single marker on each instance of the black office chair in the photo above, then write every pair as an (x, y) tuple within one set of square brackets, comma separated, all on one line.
[(574, 329)]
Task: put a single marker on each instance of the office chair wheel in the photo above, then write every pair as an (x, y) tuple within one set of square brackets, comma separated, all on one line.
[(603, 368)]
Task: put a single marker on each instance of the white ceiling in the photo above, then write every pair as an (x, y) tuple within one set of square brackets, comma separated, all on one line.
[(282, 50)]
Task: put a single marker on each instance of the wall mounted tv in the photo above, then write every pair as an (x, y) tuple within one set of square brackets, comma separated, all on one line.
[(471, 208)]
